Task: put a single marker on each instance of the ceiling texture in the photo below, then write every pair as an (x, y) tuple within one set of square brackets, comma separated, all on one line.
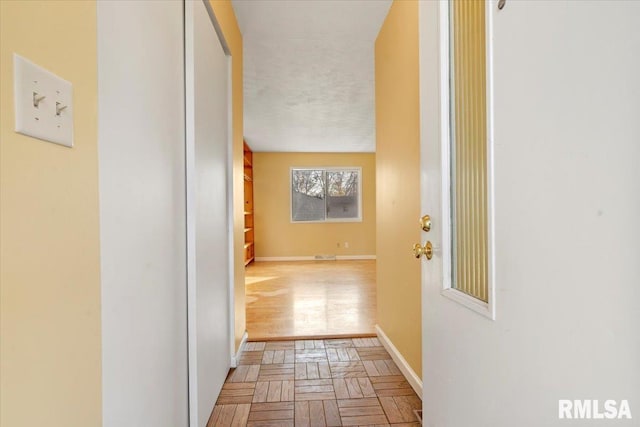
[(309, 73)]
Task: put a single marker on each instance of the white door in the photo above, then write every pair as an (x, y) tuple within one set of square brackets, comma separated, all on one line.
[(566, 203), (207, 213), (142, 213)]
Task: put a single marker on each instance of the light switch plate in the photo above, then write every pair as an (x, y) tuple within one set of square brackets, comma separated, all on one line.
[(43, 103)]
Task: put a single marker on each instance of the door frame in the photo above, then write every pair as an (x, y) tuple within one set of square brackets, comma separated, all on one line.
[(190, 208)]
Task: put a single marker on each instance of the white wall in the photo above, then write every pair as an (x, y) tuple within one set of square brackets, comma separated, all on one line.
[(142, 213), (208, 235), (567, 203)]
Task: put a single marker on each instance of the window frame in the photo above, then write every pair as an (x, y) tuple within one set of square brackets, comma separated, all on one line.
[(486, 309), (326, 169)]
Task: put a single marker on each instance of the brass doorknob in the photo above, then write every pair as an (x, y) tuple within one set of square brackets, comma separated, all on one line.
[(426, 250), (425, 223)]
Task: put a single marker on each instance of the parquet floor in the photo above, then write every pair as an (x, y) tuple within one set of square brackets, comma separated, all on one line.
[(310, 298), (332, 382)]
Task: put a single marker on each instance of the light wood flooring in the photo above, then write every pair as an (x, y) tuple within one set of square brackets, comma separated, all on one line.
[(310, 299), (331, 382)]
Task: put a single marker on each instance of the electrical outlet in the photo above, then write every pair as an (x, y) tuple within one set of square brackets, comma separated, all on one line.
[(43, 103), (346, 245)]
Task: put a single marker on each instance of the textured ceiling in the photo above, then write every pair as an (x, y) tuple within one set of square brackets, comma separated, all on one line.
[(309, 73)]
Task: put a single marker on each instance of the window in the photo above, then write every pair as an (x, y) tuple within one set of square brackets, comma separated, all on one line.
[(326, 194), (469, 154)]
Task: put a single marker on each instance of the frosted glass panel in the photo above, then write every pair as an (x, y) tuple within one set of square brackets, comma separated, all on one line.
[(469, 147)]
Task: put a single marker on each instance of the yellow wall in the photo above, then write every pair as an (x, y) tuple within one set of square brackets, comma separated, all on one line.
[(276, 236), (227, 19), (398, 177), (50, 372)]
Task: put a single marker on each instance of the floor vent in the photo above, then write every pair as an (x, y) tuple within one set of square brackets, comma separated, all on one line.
[(418, 413), (325, 257)]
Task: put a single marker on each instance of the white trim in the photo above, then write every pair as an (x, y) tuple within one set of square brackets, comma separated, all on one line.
[(468, 301), (328, 220), (217, 28), (284, 258), (446, 145), (235, 358), (312, 258), (354, 257), (410, 375), (485, 309), (491, 232), (190, 157), (230, 207)]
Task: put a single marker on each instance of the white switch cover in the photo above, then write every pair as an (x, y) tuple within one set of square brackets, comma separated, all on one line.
[(43, 103)]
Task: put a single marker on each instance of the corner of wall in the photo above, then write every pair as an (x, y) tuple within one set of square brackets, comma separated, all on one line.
[(398, 175)]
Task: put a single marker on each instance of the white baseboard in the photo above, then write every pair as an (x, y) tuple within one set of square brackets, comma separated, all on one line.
[(355, 257), (312, 258), (236, 357), (410, 375)]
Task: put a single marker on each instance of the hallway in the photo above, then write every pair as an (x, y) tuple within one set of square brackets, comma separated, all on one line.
[(472, 166), (303, 299)]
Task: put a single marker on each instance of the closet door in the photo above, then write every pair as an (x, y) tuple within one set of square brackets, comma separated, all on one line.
[(142, 213), (208, 240)]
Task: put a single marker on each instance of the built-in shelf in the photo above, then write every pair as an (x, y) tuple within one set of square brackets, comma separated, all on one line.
[(248, 247), (249, 235)]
